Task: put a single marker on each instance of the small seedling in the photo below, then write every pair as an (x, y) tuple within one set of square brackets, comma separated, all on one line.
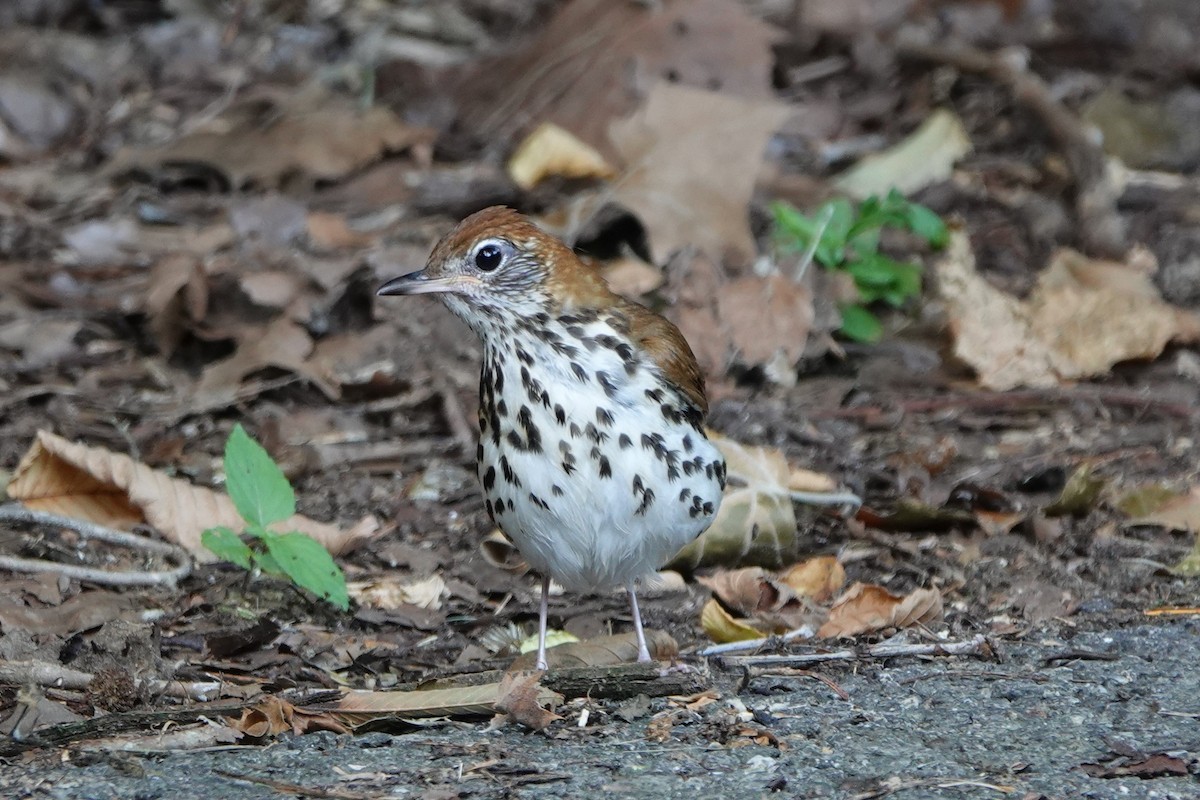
[(846, 240), (262, 495)]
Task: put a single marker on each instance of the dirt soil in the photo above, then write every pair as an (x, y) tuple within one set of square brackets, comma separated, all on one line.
[(114, 336)]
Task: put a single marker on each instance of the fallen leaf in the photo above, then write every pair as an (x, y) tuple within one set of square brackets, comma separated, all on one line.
[(630, 276), (691, 158), (108, 488), (330, 231), (603, 651), (281, 344), (1159, 765), (1079, 496), (723, 627), (925, 157), (518, 697), (866, 608), (593, 61), (766, 317), (389, 593), (357, 708), (818, 578), (176, 298), (1179, 512), (40, 340), (1082, 317), (549, 151), (764, 602), (756, 524), (263, 140)]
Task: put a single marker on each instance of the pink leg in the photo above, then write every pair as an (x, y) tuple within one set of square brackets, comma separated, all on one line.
[(643, 651), (542, 611)]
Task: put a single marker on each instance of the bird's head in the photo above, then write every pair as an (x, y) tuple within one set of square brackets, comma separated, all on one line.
[(497, 263)]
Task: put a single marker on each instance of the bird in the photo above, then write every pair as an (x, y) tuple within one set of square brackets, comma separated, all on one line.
[(592, 456)]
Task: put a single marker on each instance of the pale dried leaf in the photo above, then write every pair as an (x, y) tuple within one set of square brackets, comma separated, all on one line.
[(40, 340), (176, 297), (549, 151), (330, 231), (1180, 513), (866, 608), (359, 707), (925, 157), (281, 344), (756, 524), (271, 288), (1082, 317), (690, 159), (389, 594), (817, 578), (722, 627), (97, 485), (632, 277), (603, 651)]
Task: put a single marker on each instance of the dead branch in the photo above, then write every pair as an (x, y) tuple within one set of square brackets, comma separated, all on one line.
[(977, 645), (57, 676), (18, 515), (1101, 229)]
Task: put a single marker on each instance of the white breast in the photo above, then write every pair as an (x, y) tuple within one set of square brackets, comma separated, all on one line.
[(595, 480)]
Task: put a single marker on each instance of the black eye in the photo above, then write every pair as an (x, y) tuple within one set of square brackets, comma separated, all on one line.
[(488, 257)]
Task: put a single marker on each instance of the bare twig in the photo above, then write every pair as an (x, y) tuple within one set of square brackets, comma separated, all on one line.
[(1100, 226), (15, 514), (975, 646), (50, 675)]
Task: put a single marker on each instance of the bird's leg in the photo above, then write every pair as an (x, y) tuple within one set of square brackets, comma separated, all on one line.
[(643, 651), (542, 611)]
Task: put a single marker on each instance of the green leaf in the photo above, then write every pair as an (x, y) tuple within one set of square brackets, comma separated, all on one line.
[(255, 483), (876, 272), (226, 545), (926, 224), (860, 324), (310, 566)]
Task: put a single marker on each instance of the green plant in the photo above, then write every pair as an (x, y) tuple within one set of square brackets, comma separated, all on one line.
[(845, 238), (262, 495)]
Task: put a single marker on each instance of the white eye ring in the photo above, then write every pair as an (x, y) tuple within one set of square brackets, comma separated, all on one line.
[(489, 255)]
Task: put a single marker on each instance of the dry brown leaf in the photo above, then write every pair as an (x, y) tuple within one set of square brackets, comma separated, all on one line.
[(756, 524), (330, 231), (40, 340), (766, 317), (594, 60), (691, 158), (518, 698), (112, 489), (359, 707), (866, 608), (763, 601), (262, 141), (1179, 513), (1083, 316), (926, 156), (818, 579), (281, 344), (176, 298), (723, 627), (549, 151), (271, 288), (603, 651), (270, 716), (630, 276)]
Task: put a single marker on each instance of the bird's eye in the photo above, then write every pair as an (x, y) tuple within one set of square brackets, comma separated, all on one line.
[(488, 257)]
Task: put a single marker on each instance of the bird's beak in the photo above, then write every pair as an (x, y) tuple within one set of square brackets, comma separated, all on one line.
[(420, 283)]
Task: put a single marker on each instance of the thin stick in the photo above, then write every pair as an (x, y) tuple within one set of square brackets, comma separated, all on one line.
[(16, 514), (975, 646), (56, 676)]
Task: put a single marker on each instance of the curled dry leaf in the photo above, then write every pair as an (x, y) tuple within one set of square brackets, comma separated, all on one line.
[(281, 344), (108, 488), (357, 708), (519, 697), (927, 156), (1083, 316), (391, 594), (865, 608), (550, 152), (723, 627), (756, 524), (176, 298), (818, 579)]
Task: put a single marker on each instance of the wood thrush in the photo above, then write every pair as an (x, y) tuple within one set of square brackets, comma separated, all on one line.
[(592, 455)]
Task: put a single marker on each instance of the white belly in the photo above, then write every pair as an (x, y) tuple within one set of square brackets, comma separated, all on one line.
[(609, 487)]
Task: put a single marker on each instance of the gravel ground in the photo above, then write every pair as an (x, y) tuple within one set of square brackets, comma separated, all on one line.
[(938, 728)]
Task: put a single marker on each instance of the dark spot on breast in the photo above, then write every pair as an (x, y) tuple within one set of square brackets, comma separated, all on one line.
[(708, 508), (589, 344), (478, 452), (511, 505), (490, 511), (560, 415), (576, 431), (537, 501), (580, 372), (687, 443), (489, 479), (606, 383), (507, 471), (637, 484), (556, 490), (576, 331), (605, 469), (595, 434), (685, 494), (647, 499), (502, 408), (655, 394), (604, 416), (523, 356)]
